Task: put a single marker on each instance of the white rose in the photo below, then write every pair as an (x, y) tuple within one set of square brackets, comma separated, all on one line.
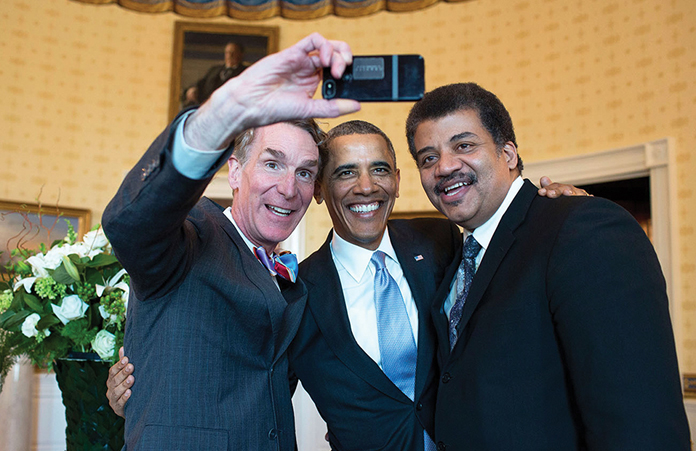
[(71, 308), (104, 343), (29, 325), (95, 239)]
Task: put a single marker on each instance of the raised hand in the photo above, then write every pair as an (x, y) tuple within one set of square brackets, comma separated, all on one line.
[(277, 88)]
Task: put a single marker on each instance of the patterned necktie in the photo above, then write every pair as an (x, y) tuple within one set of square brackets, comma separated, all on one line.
[(465, 275), (284, 265), (397, 347)]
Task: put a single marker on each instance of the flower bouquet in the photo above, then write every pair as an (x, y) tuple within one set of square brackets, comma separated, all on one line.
[(65, 308), (70, 298)]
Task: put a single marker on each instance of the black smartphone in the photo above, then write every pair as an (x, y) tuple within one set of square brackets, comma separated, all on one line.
[(378, 78)]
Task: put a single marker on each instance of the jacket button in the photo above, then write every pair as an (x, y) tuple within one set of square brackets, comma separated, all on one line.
[(419, 406), (441, 446), (446, 378), (272, 434)]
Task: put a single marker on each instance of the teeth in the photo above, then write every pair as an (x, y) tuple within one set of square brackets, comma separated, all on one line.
[(279, 211), (365, 208), (455, 186)]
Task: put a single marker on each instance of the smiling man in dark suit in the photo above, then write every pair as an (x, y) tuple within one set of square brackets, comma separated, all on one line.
[(555, 332), (347, 346)]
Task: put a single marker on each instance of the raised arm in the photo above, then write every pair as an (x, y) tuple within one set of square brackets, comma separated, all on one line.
[(277, 88)]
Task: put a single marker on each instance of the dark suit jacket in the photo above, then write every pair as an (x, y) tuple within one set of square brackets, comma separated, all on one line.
[(207, 329), (566, 341), (363, 408)]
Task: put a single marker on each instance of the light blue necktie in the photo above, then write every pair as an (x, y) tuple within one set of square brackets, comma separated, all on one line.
[(465, 275), (397, 347)]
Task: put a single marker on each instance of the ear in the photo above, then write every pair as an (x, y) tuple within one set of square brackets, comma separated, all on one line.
[(318, 196), (398, 180), (233, 175), (510, 153)]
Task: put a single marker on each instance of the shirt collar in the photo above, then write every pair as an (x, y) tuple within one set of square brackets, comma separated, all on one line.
[(484, 232), (228, 213), (356, 259)]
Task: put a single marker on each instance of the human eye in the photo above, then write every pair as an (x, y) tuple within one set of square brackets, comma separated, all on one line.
[(345, 174), (427, 160), (305, 175), (464, 147), (271, 165)]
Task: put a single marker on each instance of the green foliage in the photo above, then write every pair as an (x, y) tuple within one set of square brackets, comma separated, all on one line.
[(79, 333), (57, 301), (72, 235)]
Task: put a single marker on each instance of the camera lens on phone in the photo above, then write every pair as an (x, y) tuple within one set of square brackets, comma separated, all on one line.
[(329, 89)]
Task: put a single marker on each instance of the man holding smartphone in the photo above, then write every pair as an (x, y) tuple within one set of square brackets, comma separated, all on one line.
[(341, 352), (208, 320)]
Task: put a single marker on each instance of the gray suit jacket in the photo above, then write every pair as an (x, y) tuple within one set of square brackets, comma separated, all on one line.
[(207, 329)]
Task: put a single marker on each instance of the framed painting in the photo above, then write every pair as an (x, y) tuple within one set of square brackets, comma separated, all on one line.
[(26, 226), (206, 55)]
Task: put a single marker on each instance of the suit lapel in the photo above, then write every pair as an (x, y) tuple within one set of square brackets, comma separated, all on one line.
[(328, 308), (502, 239), (419, 274), (295, 295), (275, 302)]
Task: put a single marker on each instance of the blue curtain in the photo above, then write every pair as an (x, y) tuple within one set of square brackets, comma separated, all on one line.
[(263, 9)]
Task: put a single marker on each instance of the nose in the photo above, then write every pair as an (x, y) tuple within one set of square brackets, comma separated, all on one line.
[(447, 164), (287, 186), (364, 185)]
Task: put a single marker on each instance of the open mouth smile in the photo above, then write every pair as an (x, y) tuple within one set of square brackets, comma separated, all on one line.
[(364, 208), (279, 211), (449, 191), (455, 184)]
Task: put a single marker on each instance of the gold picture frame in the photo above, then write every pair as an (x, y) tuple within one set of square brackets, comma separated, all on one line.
[(28, 225), (199, 46)]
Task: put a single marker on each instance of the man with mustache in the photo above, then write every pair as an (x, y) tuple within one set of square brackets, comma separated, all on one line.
[(555, 332)]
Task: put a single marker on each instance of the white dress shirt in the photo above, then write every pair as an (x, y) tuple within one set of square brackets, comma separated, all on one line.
[(357, 274), (252, 246), (483, 234)]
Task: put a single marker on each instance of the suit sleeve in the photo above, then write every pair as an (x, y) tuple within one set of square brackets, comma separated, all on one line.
[(146, 221), (609, 305)]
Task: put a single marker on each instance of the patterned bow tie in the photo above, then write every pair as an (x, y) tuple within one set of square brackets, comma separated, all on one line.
[(284, 265)]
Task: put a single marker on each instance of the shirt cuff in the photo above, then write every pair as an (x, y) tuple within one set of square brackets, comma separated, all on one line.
[(190, 162)]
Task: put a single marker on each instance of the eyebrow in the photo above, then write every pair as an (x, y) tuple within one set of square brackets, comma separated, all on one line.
[(462, 136), (280, 155), (343, 167), (454, 138), (378, 164)]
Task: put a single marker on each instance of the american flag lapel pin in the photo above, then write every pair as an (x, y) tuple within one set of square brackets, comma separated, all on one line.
[(418, 257)]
